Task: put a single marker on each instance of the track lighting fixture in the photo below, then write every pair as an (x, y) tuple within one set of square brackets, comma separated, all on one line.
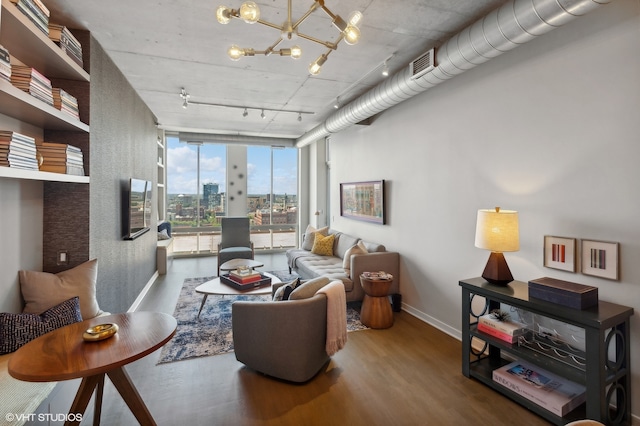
[(185, 98), (249, 12), (336, 105), (385, 69), (245, 109)]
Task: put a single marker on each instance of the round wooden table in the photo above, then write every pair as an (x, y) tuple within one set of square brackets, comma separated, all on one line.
[(63, 355), (376, 309)]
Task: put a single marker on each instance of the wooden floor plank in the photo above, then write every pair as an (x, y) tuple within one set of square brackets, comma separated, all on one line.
[(409, 374)]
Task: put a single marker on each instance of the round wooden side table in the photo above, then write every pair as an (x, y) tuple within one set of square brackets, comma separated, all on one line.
[(376, 309)]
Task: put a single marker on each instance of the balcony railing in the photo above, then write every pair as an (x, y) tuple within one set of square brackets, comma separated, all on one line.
[(204, 240)]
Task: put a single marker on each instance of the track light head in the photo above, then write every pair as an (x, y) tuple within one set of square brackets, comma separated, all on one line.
[(245, 113), (299, 116), (262, 115), (185, 98), (385, 69)]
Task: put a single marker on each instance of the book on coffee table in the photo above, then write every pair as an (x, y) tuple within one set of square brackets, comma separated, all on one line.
[(262, 282)]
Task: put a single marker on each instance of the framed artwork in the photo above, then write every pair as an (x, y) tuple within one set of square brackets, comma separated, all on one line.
[(560, 253), (363, 201), (601, 259)]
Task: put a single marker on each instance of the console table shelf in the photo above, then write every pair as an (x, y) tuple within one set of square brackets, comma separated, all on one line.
[(605, 374)]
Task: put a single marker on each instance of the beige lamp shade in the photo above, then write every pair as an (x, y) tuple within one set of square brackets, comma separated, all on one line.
[(497, 230)]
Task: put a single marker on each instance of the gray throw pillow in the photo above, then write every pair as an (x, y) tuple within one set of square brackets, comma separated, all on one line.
[(309, 288)]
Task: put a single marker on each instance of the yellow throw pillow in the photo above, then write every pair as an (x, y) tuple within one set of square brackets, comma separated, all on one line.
[(323, 245)]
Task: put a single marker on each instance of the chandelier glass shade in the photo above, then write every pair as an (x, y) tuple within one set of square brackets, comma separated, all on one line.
[(249, 12)]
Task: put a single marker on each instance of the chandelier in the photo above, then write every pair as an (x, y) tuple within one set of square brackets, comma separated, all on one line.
[(249, 12)]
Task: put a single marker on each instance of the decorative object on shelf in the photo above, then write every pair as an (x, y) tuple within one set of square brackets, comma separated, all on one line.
[(497, 230), (560, 253), (363, 201), (100, 332), (499, 315), (601, 259), (565, 293), (249, 12)]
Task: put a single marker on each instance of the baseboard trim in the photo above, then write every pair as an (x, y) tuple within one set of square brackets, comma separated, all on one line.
[(136, 303), (445, 328)]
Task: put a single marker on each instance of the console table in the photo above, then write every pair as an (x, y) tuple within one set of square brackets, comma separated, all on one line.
[(606, 373)]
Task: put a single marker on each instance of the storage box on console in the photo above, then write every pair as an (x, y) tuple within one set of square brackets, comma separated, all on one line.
[(565, 293)]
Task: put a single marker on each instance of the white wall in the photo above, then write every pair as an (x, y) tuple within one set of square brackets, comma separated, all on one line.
[(21, 214), (551, 129)]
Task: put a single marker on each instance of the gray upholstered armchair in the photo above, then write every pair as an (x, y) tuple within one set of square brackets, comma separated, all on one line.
[(284, 339), (235, 240)]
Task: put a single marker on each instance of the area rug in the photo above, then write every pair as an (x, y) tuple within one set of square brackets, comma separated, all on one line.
[(211, 334)]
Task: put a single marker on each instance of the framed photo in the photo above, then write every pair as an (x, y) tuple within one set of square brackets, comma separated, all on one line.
[(363, 201), (601, 259), (560, 253)]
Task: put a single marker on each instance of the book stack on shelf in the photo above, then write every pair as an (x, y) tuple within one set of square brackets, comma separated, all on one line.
[(5, 64), (31, 81), (36, 11), (65, 102), (61, 158), (551, 392), (498, 325), (61, 36), (17, 151)]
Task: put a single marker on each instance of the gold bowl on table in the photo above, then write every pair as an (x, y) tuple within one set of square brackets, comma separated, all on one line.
[(100, 332)]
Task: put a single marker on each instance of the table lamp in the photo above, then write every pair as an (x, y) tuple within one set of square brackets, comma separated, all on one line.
[(497, 230)]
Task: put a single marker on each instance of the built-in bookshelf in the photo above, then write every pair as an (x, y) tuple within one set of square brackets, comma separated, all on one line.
[(65, 196), (602, 366), (29, 46)]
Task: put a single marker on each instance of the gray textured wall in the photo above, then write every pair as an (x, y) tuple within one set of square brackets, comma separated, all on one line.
[(123, 145)]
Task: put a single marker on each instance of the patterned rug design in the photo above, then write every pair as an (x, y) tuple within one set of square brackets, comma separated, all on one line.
[(211, 334)]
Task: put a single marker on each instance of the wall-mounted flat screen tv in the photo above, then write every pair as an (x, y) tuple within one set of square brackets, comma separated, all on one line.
[(138, 208)]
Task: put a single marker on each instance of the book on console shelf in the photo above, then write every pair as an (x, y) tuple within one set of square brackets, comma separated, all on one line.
[(551, 392), (262, 282), (506, 330)]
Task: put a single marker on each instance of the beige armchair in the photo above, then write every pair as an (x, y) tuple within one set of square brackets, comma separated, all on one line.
[(284, 339)]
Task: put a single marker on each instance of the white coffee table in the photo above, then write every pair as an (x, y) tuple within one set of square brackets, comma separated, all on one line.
[(216, 287)]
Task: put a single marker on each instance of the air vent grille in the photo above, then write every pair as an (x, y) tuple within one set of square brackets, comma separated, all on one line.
[(422, 65)]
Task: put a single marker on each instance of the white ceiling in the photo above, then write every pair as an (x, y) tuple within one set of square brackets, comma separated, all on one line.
[(162, 46)]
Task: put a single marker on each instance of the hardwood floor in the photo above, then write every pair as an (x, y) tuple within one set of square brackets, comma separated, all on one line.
[(409, 374)]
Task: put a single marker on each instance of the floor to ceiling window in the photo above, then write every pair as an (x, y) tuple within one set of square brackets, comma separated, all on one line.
[(272, 200), (198, 195)]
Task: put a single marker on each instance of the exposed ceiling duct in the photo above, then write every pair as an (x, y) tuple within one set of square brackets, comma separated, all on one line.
[(507, 27)]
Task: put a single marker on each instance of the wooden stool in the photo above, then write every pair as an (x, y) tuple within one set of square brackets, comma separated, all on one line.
[(376, 309)]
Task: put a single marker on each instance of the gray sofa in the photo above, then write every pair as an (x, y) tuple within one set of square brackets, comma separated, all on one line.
[(309, 265)]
